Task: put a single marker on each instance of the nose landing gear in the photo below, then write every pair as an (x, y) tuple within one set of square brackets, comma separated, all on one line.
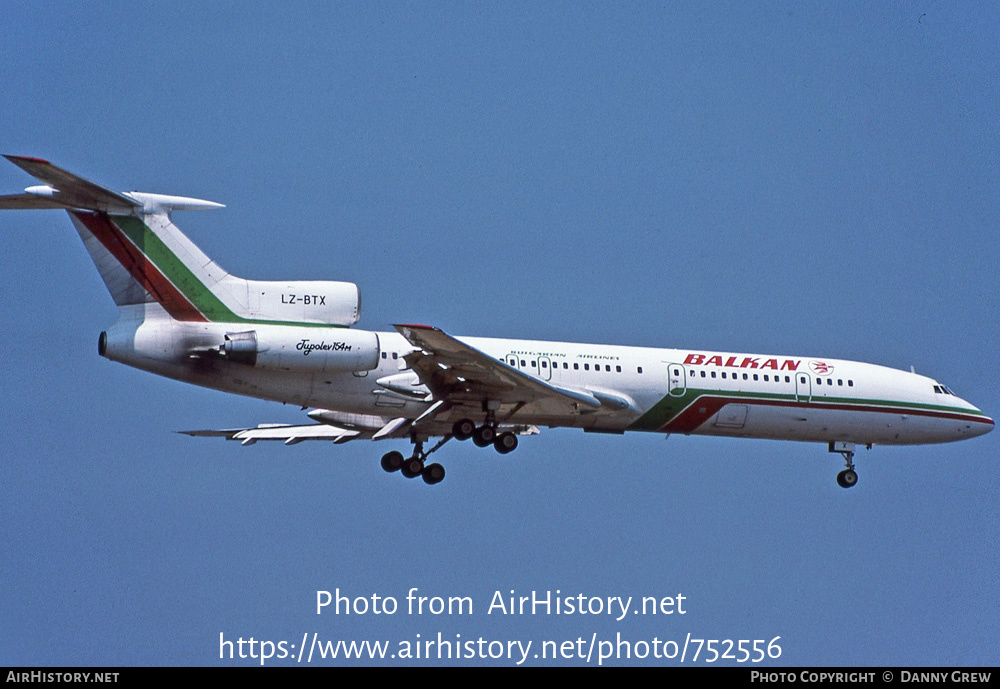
[(848, 477)]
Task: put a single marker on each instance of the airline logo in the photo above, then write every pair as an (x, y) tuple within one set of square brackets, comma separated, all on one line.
[(820, 368), (743, 362)]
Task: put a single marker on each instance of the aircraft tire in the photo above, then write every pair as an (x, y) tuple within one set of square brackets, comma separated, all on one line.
[(484, 436), (392, 461), (433, 474), (463, 429), (505, 442), (847, 478), (412, 467)]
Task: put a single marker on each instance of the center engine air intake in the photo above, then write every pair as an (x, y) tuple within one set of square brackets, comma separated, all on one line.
[(311, 350)]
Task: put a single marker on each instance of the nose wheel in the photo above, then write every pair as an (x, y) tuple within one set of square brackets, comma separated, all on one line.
[(848, 477)]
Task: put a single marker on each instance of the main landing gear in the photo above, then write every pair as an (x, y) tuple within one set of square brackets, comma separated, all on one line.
[(485, 435), (848, 477), (416, 464), (463, 429)]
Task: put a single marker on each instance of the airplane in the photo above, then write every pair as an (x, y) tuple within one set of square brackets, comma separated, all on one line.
[(182, 316)]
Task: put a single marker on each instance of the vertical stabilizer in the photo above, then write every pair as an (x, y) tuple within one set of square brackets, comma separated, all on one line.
[(144, 258)]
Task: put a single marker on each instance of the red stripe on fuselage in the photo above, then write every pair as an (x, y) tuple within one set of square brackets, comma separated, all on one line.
[(139, 267), (704, 408)]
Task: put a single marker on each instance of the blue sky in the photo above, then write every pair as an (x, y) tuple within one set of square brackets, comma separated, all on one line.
[(803, 179)]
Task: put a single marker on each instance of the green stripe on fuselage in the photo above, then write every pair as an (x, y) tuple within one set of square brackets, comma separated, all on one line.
[(669, 408)]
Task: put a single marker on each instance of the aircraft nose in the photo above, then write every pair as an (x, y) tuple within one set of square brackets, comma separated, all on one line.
[(986, 426), (982, 423)]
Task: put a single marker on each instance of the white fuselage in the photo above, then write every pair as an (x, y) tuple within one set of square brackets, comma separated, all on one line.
[(644, 389)]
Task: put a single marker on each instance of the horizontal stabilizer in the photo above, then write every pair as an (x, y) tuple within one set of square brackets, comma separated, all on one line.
[(28, 202), (64, 190)]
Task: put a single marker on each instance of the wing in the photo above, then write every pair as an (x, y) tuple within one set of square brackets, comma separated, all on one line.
[(457, 373), (287, 433)]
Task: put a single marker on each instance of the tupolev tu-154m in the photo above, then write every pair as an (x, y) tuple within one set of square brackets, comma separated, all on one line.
[(182, 316)]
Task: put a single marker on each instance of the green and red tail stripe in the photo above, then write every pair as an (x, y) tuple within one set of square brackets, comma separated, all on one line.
[(140, 267)]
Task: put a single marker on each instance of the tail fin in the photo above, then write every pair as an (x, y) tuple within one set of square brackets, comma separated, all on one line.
[(144, 258), (115, 229)]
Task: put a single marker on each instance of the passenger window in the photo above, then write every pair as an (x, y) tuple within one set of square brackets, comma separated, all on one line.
[(766, 379), (850, 383), (640, 369), (545, 364), (576, 367), (618, 369), (586, 367)]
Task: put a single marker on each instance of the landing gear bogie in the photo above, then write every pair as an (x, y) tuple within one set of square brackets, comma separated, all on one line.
[(463, 429), (416, 464)]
